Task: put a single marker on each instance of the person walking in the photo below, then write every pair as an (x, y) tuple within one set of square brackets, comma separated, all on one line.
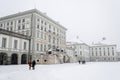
[(30, 65), (79, 61), (33, 64)]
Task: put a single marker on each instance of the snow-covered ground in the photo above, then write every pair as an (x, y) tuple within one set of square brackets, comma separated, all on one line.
[(73, 71)]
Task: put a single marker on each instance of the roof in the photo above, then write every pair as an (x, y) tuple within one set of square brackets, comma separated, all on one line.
[(29, 12), (102, 44), (76, 43)]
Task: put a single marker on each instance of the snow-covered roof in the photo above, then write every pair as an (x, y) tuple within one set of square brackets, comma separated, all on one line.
[(102, 44), (75, 43)]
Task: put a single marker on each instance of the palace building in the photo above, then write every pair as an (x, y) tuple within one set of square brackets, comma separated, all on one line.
[(13, 47), (103, 52), (44, 33)]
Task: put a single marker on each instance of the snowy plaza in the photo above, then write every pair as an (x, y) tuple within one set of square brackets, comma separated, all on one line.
[(70, 71)]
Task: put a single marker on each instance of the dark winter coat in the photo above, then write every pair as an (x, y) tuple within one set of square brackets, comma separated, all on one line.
[(33, 63)]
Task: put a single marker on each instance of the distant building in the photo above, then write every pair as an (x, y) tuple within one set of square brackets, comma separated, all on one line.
[(44, 32), (70, 51), (118, 55), (13, 47), (103, 52), (81, 51)]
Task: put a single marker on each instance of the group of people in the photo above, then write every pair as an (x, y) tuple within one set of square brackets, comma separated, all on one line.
[(32, 64), (83, 62)]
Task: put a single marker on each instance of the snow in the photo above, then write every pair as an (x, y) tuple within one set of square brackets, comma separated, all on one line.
[(71, 71)]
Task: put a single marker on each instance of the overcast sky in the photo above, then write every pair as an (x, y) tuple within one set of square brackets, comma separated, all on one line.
[(89, 19)]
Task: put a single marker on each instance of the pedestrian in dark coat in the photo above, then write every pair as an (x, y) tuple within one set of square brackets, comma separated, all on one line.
[(79, 61), (83, 62), (33, 64), (30, 65)]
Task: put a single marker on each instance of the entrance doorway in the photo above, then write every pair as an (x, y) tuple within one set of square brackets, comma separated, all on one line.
[(23, 59), (14, 59), (3, 58)]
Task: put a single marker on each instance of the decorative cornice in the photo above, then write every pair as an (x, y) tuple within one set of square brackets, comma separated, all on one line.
[(102, 45), (14, 34)]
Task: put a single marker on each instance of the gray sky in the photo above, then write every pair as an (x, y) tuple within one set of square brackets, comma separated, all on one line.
[(89, 19)]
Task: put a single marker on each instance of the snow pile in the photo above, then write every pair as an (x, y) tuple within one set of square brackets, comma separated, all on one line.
[(74, 71)]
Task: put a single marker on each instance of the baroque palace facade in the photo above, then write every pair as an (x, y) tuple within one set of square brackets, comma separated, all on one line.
[(98, 52), (103, 52), (32, 35), (43, 32)]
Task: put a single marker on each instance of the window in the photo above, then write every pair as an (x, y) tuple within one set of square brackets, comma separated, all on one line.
[(19, 21), (53, 40), (92, 53), (113, 59), (45, 23), (42, 22), (104, 53), (113, 52), (49, 38), (38, 19), (108, 52), (1, 25), (80, 52), (96, 53), (8, 24), (41, 35), (23, 26), (37, 47), (19, 27), (41, 27), (57, 41), (23, 20), (112, 48), (45, 29), (45, 36), (25, 45), (38, 26), (96, 49), (41, 47), (49, 46), (53, 47), (44, 47), (4, 42), (100, 49), (15, 44), (100, 53), (11, 23)]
